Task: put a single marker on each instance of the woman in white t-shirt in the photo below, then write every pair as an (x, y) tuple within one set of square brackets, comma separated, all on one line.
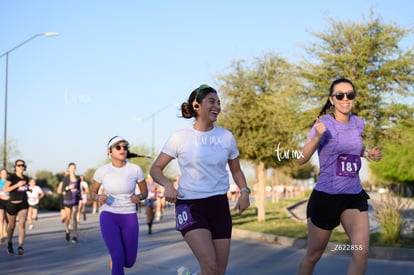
[(203, 151), (118, 213), (34, 195)]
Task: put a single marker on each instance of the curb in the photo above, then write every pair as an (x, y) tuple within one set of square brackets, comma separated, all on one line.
[(382, 253)]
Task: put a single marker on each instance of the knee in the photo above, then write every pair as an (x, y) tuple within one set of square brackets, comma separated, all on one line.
[(361, 255), (313, 256)]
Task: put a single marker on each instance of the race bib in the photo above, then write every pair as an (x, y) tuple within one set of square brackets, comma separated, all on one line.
[(23, 188), (348, 165), (183, 217), (33, 200)]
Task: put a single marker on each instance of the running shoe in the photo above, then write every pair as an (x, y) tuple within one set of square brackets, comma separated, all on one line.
[(67, 236), (30, 226), (20, 250), (10, 249), (183, 271), (74, 240)]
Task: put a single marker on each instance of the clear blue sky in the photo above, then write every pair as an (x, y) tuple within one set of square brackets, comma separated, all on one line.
[(117, 61)]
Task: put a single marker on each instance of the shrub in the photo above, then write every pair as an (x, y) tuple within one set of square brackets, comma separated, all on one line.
[(387, 211), (50, 202)]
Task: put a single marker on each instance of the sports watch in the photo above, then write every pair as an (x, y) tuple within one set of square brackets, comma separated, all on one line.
[(245, 189)]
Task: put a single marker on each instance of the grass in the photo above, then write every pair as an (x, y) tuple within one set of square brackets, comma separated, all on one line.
[(279, 222)]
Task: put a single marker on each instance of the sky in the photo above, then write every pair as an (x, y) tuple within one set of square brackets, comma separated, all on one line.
[(123, 67)]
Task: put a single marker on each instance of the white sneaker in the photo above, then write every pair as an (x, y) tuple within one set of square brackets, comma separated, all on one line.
[(30, 226), (183, 271)]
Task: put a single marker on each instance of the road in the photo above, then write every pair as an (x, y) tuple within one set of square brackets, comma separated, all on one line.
[(163, 252)]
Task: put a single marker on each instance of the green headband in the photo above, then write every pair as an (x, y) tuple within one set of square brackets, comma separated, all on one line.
[(200, 88)]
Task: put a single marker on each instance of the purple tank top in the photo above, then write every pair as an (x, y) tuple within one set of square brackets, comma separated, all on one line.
[(339, 154)]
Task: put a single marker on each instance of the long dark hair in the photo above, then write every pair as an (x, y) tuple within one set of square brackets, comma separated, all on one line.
[(196, 96)]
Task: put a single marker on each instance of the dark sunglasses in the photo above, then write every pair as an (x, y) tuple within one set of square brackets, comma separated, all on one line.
[(21, 165), (341, 95), (118, 147)]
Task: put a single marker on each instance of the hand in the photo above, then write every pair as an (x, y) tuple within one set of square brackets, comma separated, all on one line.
[(171, 194), (320, 128), (375, 154), (102, 198), (243, 202)]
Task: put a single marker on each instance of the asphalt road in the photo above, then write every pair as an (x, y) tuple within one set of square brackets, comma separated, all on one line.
[(163, 252)]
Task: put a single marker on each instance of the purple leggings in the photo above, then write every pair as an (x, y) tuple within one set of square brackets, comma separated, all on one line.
[(120, 233)]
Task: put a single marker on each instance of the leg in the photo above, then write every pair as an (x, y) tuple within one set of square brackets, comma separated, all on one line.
[(11, 227), (34, 212), (2, 223), (149, 211), (222, 248), (202, 246), (74, 220), (22, 214), (68, 215), (30, 216), (356, 225), (120, 233), (78, 212), (130, 232), (317, 241)]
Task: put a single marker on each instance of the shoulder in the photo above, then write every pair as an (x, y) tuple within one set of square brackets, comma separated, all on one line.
[(357, 119), (222, 131), (328, 118), (133, 166)]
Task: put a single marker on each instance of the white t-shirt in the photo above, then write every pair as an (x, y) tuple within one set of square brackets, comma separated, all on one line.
[(33, 195), (119, 183), (202, 157)]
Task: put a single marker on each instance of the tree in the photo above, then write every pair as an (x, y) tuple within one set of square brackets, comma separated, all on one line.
[(46, 179), (397, 164), (12, 154), (260, 107)]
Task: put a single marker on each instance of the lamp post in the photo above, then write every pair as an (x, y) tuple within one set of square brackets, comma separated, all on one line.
[(6, 54), (152, 117)]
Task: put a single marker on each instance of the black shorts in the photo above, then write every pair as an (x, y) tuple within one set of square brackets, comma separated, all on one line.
[(13, 208), (212, 213), (35, 206), (325, 210), (3, 204)]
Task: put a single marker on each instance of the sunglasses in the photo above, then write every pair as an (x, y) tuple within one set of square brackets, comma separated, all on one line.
[(341, 95), (118, 147), (21, 165)]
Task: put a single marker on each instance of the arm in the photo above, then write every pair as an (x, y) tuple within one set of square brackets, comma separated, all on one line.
[(156, 173), (312, 143), (309, 149), (373, 154), (238, 176), (94, 196), (41, 193), (8, 187), (143, 192), (59, 188)]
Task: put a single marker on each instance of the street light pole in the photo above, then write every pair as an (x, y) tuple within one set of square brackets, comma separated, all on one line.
[(152, 117), (6, 54)]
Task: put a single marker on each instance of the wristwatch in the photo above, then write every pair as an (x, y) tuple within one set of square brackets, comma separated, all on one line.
[(245, 189)]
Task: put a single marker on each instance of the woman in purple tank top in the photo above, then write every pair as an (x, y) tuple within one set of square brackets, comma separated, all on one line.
[(338, 197)]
